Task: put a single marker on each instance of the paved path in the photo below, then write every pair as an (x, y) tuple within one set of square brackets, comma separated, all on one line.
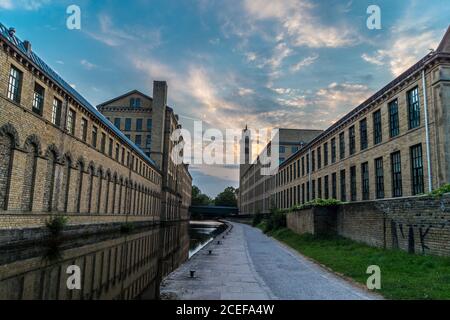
[(248, 265)]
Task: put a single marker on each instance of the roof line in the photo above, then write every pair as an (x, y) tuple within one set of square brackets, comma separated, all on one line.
[(38, 62), (123, 96)]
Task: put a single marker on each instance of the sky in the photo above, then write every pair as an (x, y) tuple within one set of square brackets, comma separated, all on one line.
[(229, 63)]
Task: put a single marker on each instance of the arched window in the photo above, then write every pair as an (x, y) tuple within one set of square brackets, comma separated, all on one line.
[(91, 186), (50, 180), (6, 144), (79, 185), (66, 185), (32, 148)]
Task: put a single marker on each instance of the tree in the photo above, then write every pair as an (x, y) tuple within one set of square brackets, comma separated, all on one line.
[(198, 198), (227, 198)]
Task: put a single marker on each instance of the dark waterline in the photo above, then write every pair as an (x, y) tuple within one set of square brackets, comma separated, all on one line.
[(201, 234)]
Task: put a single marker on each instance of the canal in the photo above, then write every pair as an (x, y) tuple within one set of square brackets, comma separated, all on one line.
[(112, 266)]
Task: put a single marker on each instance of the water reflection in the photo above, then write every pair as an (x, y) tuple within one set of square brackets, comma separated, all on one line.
[(201, 233), (114, 266)]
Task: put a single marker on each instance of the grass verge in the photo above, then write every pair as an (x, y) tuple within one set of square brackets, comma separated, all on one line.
[(403, 275)]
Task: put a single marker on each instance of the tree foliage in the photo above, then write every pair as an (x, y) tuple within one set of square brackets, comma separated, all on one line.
[(199, 198), (227, 198)]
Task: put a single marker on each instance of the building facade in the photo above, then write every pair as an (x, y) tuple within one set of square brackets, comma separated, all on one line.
[(150, 123), (60, 155), (256, 191), (395, 144)]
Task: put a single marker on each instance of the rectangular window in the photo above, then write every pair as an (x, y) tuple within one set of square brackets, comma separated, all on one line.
[(334, 186), (138, 140), (70, 124), (394, 123), (343, 188), (56, 112), (333, 150), (413, 108), (15, 84), (307, 164), (326, 187), (396, 171), (325, 154), (303, 193), (417, 169), (139, 125), (308, 191), (298, 168), (294, 149), (148, 142), (341, 145), (84, 124), (353, 183), (127, 124), (351, 140), (313, 190), (38, 99), (117, 151), (103, 143), (117, 123), (303, 166), (377, 129), (111, 146), (319, 188), (149, 124), (379, 178), (363, 134), (313, 161), (365, 180), (282, 149), (319, 158), (94, 136)]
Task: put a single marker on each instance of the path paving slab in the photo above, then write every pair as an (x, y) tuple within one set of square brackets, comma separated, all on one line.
[(248, 265)]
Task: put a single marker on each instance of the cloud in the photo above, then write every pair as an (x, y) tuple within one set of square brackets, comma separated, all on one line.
[(30, 5), (87, 65), (6, 4), (403, 50), (304, 63), (114, 36), (298, 22)]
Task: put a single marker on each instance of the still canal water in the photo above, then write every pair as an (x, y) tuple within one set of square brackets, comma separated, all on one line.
[(113, 266)]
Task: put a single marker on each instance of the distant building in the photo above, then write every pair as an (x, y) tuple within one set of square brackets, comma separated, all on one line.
[(256, 190), (149, 123), (395, 144)]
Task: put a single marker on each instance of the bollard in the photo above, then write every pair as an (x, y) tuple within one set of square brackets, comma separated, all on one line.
[(192, 273), (210, 252), (218, 242)]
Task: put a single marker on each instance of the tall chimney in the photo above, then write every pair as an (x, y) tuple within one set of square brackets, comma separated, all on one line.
[(159, 104), (27, 45)]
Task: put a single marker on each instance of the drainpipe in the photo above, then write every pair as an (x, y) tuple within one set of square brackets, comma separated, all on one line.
[(427, 135)]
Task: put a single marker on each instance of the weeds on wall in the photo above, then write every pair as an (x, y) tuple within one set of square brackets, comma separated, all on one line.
[(56, 224), (438, 193)]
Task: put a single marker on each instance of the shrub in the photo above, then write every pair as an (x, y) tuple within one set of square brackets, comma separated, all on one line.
[(440, 191), (275, 220), (126, 227), (257, 218), (56, 224)]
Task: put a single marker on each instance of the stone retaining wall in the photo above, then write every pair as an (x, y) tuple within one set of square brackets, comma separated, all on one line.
[(414, 224)]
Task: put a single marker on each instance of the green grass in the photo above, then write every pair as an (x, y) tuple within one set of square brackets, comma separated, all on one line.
[(403, 275)]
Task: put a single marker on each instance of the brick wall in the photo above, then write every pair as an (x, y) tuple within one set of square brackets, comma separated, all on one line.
[(414, 224)]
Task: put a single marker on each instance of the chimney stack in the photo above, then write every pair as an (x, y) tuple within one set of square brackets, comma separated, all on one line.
[(27, 45), (11, 31)]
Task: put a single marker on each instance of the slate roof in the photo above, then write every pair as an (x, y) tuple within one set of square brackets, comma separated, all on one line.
[(19, 44)]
